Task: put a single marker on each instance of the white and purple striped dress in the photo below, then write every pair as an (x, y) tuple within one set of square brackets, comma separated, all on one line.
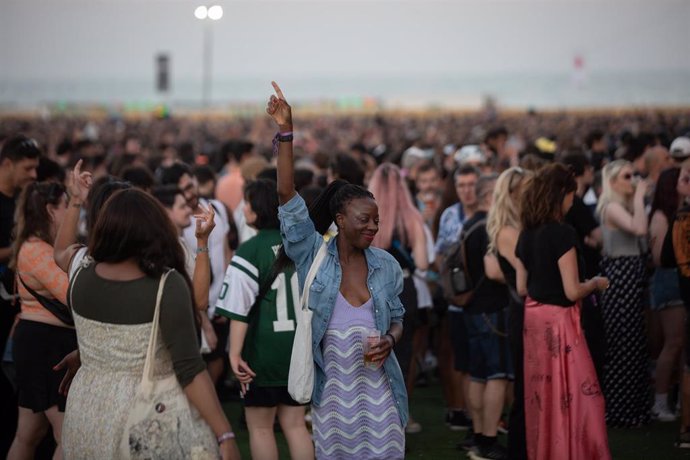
[(357, 417)]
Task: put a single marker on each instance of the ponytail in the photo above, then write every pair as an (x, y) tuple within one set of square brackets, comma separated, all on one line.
[(322, 212)]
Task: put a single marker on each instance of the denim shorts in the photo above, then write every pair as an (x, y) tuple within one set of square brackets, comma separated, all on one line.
[(664, 290), (489, 347)]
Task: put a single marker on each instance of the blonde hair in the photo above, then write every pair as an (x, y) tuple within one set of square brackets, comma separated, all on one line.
[(608, 195), (505, 211)]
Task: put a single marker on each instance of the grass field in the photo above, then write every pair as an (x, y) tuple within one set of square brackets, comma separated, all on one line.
[(437, 442)]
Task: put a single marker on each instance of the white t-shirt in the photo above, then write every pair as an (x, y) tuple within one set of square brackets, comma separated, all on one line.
[(216, 247), (424, 298), (244, 231)]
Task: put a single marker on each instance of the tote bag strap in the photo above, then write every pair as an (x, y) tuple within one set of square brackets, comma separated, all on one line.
[(148, 364), (85, 262), (315, 265)]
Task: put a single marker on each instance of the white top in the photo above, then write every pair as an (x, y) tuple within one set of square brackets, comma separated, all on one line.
[(216, 249)]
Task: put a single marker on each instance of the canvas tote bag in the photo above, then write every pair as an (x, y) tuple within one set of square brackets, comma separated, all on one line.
[(301, 375), (161, 423)]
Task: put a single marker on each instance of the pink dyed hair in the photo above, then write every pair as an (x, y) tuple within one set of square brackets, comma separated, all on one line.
[(397, 212)]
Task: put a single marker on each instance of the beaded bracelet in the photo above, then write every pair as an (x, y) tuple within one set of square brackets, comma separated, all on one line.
[(225, 436)]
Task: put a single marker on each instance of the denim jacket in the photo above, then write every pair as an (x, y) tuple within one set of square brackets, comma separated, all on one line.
[(384, 281)]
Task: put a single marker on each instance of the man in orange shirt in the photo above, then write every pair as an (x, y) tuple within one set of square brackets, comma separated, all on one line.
[(230, 188)]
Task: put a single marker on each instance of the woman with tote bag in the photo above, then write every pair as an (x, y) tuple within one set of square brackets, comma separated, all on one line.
[(358, 410)]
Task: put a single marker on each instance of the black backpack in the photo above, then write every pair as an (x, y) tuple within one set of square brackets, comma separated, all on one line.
[(456, 282)]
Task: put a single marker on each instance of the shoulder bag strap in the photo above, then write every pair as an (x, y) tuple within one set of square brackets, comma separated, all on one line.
[(315, 265), (54, 306), (463, 241), (264, 288), (148, 364)]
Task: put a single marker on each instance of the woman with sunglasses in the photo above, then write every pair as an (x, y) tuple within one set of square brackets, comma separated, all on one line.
[(624, 225), (45, 331)]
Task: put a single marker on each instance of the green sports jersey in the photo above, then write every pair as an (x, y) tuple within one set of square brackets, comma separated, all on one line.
[(268, 344)]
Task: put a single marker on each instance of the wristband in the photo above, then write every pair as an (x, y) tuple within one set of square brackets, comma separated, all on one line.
[(281, 137), (391, 336), (225, 436), (203, 249)]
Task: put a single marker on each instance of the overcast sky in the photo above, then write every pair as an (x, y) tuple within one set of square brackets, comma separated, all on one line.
[(67, 39)]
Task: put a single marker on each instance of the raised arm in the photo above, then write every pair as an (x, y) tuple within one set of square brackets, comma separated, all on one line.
[(201, 278), (635, 223), (281, 112), (78, 188)]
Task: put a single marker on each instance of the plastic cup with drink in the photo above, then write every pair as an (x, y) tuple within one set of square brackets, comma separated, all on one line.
[(370, 337)]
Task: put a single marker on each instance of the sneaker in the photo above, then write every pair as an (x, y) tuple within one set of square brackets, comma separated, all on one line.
[(683, 441), (412, 427), (468, 444), (458, 421), (662, 414), (494, 451), (503, 426)]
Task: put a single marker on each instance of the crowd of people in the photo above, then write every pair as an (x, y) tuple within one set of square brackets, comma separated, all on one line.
[(539, 261)]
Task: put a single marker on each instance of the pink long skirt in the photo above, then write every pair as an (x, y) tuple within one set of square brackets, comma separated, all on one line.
[(564, 405)]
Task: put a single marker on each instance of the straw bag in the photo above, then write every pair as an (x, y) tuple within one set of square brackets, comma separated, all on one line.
[(161, 423), (301, 375)]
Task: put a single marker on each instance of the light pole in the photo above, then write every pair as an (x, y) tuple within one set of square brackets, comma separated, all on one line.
[(208, 15)]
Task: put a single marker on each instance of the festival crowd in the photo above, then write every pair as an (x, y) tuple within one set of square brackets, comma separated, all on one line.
[(537, 263)]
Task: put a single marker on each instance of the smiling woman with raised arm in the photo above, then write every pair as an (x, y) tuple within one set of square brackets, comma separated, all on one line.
[(359, 410)]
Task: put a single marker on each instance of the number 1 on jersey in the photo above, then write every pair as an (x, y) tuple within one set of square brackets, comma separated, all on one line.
[(283, 324)]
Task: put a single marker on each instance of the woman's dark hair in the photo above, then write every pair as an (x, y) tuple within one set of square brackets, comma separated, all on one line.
[(270, 173), (262, 196), (133, 225), (98, 195), (577, 161), (310, 194), (32, 217), (303, 178), (449, 197), (139, 176), (345, 167), (204, 174), (165, 194), (542, 196), (173, 173), (49, 170), (322, 211), (666, 197)]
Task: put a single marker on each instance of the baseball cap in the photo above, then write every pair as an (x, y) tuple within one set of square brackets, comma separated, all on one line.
[(470, 154), (680, 147)]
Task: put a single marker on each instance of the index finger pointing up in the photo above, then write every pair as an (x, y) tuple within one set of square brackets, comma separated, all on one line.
[(277, 90)]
